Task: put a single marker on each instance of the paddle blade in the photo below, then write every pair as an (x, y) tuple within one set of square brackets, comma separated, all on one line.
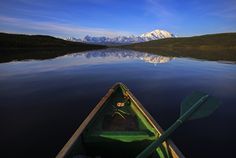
[(207, 107)]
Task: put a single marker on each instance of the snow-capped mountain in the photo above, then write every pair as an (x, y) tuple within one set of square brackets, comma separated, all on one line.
[(157, 34), (153, 35), (74, 39)]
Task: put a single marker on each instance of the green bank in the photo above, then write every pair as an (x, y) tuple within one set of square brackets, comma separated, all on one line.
[(19, 47), (208, 47)]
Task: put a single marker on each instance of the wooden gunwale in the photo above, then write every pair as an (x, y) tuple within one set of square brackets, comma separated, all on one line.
[(67, 147), (170, 144)]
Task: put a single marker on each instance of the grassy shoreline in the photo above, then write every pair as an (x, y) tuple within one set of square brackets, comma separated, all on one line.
[(209, 47), (20, 47)]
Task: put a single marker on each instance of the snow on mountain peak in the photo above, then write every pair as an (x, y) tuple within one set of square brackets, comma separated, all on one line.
[(153, 35), (157, 34)]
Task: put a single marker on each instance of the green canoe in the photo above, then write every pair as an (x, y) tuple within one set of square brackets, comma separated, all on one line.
[(118, 126)]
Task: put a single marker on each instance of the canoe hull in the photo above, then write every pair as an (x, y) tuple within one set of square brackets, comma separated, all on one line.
[(108, 142)]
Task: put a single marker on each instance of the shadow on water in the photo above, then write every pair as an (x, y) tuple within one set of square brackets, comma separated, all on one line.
[(42, 54), (224, 55), (39, 54), (44, 101)]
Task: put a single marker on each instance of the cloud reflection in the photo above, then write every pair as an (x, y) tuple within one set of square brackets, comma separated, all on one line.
[(88, 58)]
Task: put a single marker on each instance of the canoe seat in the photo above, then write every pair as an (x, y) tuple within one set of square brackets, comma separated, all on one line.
[(107, 142), (123, 136)]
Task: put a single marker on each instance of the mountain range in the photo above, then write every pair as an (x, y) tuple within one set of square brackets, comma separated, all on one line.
[(122, 40)]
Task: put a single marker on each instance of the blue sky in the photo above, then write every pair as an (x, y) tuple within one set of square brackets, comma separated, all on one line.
[(77, 18)]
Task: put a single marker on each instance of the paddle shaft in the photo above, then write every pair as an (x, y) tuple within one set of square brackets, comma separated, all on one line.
[(147, 151)]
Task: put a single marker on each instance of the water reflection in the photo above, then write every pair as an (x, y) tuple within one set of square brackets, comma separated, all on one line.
[(89, 58), (38, 98), (125, 54)]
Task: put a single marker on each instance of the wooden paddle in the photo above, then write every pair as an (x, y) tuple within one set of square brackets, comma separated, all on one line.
[(195, 106)]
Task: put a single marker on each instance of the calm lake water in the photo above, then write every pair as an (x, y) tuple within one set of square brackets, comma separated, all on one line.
[(42, 102)]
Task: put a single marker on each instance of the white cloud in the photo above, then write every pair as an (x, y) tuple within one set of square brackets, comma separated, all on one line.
[(158, 9), (227, 12), (57, 28), (226, 9)]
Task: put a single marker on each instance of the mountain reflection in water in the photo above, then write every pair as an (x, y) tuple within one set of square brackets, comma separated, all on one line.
[(88, 58), (126, 54)]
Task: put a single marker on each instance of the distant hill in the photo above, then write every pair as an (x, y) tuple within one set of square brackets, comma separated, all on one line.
[(210, 47), (18, 47), (18, 41)]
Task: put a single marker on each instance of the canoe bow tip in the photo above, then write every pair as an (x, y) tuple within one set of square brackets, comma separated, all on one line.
[(119, 83)]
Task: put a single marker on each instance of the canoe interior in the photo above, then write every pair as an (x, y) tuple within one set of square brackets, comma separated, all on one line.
[(118, 129)]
